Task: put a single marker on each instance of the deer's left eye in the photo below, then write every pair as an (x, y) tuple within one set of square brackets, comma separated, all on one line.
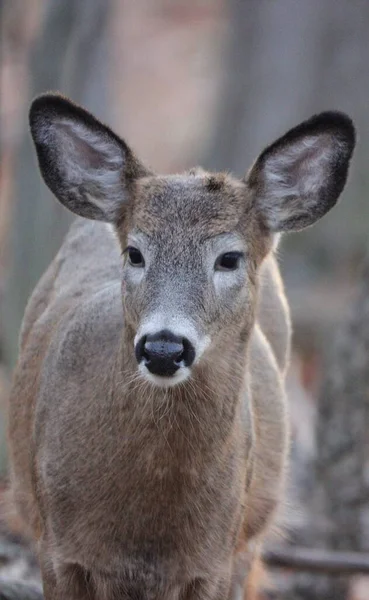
[(135, 257), (228, 262)]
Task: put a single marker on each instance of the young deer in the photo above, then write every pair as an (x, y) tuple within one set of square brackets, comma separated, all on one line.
[(148, 422)]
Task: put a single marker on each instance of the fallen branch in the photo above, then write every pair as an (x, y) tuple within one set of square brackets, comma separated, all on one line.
[(318, 560)]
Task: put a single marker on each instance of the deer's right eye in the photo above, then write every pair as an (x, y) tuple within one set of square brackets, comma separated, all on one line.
[(135, 257), (228, 261)]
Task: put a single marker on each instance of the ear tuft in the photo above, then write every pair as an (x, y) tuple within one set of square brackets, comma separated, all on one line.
[(299, 178), (84, 163)]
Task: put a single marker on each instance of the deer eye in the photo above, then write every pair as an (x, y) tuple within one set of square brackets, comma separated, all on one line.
[(228, 262), (135, 257)]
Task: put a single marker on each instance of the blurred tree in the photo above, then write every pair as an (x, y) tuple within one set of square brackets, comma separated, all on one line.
[(337, 498), (70, 55)]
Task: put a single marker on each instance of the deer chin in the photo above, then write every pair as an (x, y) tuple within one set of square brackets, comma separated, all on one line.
[(179, 376)]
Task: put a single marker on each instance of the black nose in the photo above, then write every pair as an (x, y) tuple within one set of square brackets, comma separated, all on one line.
[(164, 353)]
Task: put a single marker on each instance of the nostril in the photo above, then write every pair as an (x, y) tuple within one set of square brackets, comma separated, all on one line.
[(188, 354), (140, 349)]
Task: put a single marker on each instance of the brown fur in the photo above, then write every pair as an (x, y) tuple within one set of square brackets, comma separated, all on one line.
[(132, 490)]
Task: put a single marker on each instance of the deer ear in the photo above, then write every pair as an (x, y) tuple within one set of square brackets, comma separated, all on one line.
[(85, 164), (299, 178)]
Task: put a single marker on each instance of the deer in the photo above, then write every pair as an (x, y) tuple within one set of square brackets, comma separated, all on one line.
[(148, 422)]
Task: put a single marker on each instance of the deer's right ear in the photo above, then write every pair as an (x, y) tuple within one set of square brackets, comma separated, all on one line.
[(85, 164), (298, 179)]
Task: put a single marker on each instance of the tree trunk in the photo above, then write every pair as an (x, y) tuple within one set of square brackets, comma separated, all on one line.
[(70, 56), (337, 500)]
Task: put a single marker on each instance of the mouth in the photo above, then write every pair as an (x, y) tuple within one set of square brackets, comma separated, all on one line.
[(166, 381)]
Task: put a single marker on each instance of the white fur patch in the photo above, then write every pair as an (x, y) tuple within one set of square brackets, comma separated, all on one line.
[(276, 240), (179, 376), (111, 230)]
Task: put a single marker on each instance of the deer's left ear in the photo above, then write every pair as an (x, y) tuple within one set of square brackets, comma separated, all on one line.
[(298, 178), (84, 163)]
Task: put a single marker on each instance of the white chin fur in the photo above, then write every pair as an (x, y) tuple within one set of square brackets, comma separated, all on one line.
[(164, 382)]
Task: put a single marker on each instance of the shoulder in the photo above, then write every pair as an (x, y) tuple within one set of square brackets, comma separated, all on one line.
[(90, 332)]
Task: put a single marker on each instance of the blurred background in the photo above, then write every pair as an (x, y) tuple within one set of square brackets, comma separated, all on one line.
[(211, 82)]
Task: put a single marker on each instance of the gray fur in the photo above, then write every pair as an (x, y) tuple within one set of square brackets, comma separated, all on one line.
[(131, 488)]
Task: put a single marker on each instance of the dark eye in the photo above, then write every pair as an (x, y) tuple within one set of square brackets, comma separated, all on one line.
[(228, 261), (135, 257)]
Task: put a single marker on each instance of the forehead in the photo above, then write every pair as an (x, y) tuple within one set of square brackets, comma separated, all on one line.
[(205, 204)]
